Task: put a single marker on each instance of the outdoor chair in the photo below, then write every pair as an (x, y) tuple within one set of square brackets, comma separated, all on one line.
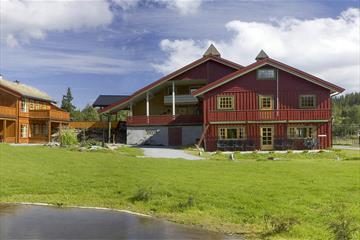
[(240, 145), (279, 144)]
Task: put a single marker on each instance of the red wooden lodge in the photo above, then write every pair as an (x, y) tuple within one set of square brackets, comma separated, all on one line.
[(266, 105)]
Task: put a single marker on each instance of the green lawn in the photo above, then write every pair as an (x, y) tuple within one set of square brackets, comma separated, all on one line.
[(240, 196)]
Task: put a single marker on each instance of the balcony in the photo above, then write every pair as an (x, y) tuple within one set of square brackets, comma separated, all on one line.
[(164, 120), (180, 100), (49, 114), (7, 112), (269, 115)]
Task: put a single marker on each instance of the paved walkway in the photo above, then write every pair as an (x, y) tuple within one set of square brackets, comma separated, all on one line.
[(345, 147), (162, 152)]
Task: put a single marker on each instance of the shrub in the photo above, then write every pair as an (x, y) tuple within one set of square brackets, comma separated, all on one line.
[(343, 227), (181, 206), (68, 137), (276, 225), (142, 194)]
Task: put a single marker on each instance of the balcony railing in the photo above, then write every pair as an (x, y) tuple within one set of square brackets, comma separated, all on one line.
[(7, 112), (181, 99), (164, 120), (49, 114), (269, 115)]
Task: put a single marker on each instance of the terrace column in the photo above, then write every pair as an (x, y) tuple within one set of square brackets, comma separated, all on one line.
[(49, 131), (173, 99), (109, 128), (147, 107), (4, 129), (131, 110)]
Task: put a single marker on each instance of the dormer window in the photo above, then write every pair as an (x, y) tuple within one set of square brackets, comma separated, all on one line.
[(266, 74)]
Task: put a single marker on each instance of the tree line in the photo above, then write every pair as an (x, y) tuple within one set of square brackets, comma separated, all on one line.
[(346, 112)]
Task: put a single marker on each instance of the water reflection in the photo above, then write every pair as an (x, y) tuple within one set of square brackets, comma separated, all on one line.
[(40, 222)]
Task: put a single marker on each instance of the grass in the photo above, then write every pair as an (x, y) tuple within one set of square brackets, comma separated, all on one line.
[(292, 198)]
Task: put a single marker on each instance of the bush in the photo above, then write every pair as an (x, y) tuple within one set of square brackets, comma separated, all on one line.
[(181, 206), (68, 137), (276, 225), (142, 194), (343, 227)]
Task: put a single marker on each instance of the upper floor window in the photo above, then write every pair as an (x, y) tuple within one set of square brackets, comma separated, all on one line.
[(232, 133), (225, 102), (307, 101), (266, 102), (37, 105), (24, 105), (266, 74), (31, 105)]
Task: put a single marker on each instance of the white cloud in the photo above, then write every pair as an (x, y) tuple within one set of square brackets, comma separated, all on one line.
[(326, 47), (184, 7), (24, 20)]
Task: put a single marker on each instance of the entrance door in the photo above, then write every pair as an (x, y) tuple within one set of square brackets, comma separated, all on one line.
[(267, 138), (175, 136)]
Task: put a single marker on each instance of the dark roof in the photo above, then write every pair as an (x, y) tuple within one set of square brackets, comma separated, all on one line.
[(106, 100)]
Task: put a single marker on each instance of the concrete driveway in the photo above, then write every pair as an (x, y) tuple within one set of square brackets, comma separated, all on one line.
[(163, 152)]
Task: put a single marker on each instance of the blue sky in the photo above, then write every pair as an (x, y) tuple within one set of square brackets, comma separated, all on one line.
[(117, 46)]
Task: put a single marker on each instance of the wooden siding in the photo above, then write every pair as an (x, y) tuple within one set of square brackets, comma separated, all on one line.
[(252, 132), (8, 112), (246, 90)]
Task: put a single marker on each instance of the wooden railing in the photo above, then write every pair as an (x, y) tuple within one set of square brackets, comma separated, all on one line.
[(52, 114), (8, 112), (164, 120), (269, 115), (92, 124), (59, 115)]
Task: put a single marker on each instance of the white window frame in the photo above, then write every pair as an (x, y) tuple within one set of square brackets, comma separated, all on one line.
[(223, 133), (24, 130)]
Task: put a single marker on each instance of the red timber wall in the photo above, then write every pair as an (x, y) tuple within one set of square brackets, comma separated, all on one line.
[(209, 71), (247, 89), (280, 132)]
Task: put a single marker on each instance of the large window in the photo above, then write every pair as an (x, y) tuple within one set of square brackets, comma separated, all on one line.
[(302, 132), (232, 133), (307, 101), (24, 105), (24, 131), (39, 129), (225, 102), (266, 74), (266, 102)]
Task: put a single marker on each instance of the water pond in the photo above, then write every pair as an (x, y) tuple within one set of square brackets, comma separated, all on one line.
[(45, 222)]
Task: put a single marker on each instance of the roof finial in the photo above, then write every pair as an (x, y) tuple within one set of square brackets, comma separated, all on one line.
[(262, 55), (212, 51)]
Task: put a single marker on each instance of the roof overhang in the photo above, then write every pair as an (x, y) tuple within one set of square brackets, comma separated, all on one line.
[(124, 103)]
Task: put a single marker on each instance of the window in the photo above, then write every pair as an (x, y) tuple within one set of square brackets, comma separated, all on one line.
[(24, 131), (265, 74), (232, 133), (307, 101), (225, 102), (24, 105), (266, 102), (301, 132), (31, 105), (169, 91), (37, 105)]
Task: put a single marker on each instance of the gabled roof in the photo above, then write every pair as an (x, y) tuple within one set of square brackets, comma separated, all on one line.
[(268, 61), (167, 78), (106, 100), (23, 90)]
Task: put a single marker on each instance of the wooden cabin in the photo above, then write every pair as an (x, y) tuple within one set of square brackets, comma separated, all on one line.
[(266, 105), (28, 115)]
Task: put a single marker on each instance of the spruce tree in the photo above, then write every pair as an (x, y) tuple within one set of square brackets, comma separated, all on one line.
[(66, 102)]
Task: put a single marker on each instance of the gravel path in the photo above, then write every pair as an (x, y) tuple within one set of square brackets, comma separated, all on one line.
[(162, 152), (345, 147)]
